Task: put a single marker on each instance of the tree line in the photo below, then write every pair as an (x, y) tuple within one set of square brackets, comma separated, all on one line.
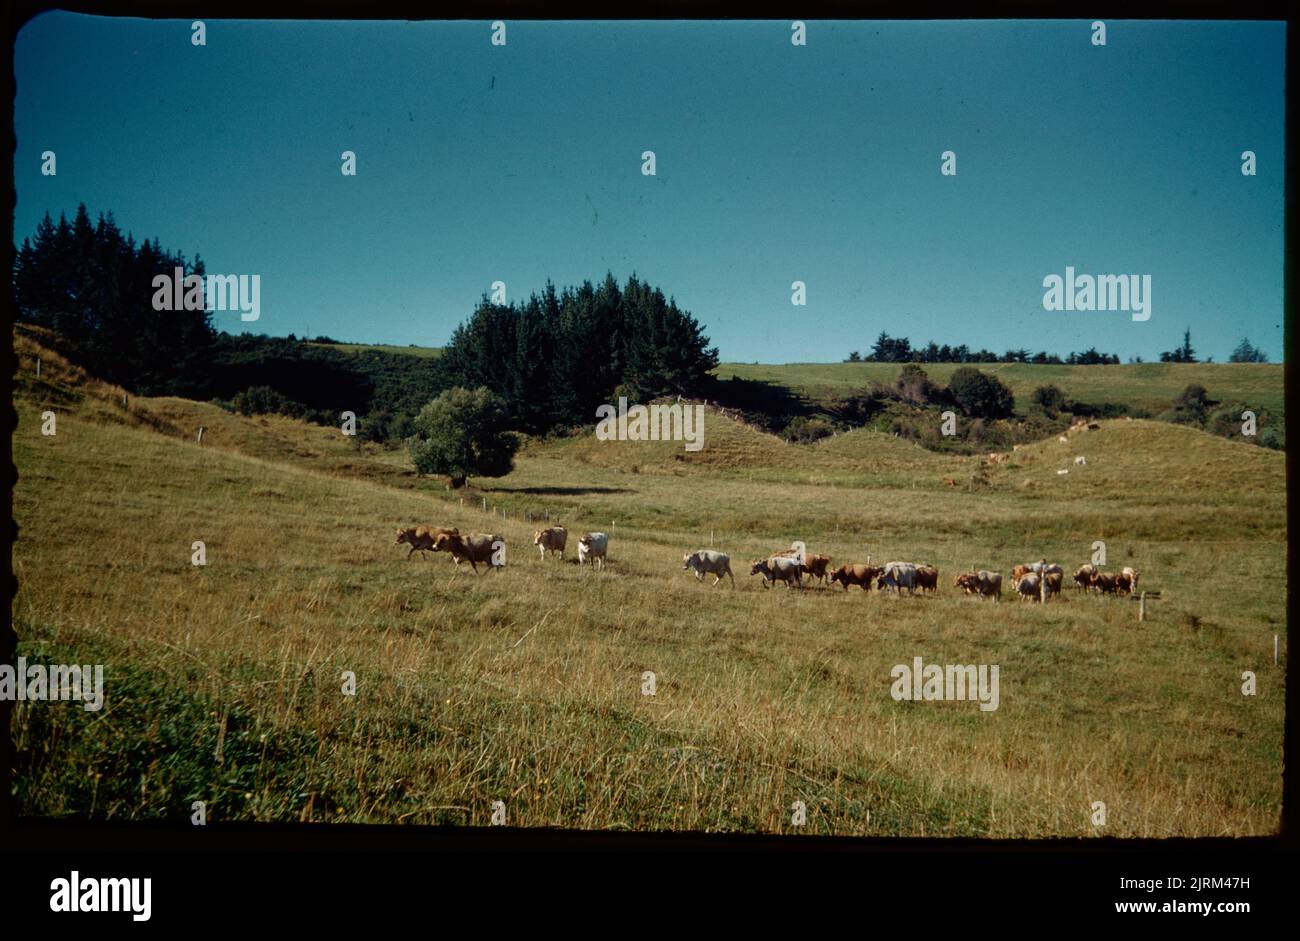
[(551, 359), (889, 349), (558, 355)]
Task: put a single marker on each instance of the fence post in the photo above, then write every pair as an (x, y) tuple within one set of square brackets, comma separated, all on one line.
[(1042, 588), (1142, 607), (485, 504), (1274, 650), (38, 367), (201, 430)]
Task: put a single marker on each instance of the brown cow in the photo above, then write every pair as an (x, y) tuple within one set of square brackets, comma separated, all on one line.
[(1083, 577), (421, 538), (982, 583), (1104, 582), (553, 539), (1053, 580), (472, 547), (815, 566), (855, 574), (927, 577)]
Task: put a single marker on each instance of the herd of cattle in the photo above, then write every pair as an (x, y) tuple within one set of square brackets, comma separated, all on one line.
[(1035, 581)]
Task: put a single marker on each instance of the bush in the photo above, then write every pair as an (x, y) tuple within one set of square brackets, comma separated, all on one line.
[(914, 385), (1050, 399), (981, 396), (856, 408), (463, 432), (1192, 406), (802, 430), (263, 400)]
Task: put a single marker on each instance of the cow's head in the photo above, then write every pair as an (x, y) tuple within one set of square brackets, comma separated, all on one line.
[(404, 535), (759, 566), (537, 537), (445, 540), (688, 559)]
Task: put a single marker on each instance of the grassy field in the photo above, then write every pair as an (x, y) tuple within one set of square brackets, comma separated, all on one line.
[(1150, 386), (423, 352), (525, 686)]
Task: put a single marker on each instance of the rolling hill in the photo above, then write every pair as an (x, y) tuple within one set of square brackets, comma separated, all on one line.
[(224, 681)]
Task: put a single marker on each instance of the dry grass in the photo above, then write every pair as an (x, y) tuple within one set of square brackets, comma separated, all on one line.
[(223, 682)]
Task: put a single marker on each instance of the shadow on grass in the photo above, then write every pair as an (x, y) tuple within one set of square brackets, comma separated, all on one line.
[(558, 491)]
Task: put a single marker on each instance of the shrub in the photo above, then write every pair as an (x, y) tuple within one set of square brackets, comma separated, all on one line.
[(1192, 406), (261, 400), (1050, 399), (802, 430), (463, 432), (981, 396)]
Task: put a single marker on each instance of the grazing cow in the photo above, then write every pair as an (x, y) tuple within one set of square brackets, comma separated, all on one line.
[(898, 575), (1133, 578), (1036, 568), (707, 560), (1063, 439), (593, 546), (1053, 580), (1104, 582), (778, 566), (855, 574), (927, 578), (553, 539), (1027, 587), (1080, 461), (1083, 577), (815, 566), (982, 583), (472, 547), (421, 538)]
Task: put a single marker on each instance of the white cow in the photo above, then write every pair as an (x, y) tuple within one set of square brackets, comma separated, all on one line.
[(707, 560), (780, 567), (898, 575), (593, 546)]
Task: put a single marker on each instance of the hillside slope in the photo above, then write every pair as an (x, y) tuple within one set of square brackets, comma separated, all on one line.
[(223, 681)]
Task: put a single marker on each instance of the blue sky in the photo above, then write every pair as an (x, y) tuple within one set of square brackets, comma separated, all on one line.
[(775, 163)]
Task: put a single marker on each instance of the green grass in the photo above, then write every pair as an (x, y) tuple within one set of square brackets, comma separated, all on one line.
[(1150, 386), (423, 352), (222, 683)]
